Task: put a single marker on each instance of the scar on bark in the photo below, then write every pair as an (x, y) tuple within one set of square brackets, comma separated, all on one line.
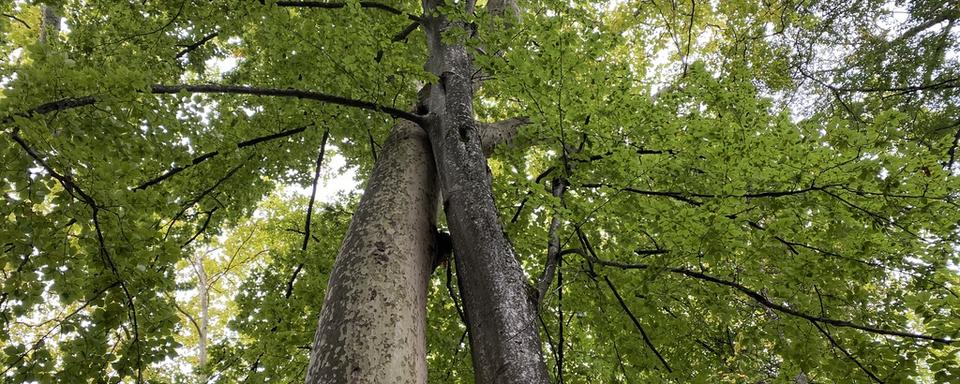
[(442, 248)]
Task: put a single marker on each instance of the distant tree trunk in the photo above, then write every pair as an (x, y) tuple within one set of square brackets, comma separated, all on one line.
[(204, 286), (49, 22), (372, 325), (504, 336)]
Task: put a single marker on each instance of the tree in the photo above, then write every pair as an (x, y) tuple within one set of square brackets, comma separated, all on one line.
[(739, 192)]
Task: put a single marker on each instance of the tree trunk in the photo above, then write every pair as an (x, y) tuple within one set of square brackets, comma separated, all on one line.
[(504, 337), (204, 286), (49, 22), (372, 326)]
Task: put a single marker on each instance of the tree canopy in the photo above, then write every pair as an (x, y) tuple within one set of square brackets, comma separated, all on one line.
[(728, 191)]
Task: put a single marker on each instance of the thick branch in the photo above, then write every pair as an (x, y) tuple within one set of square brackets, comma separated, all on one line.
[(553, 245), (300, 94), (331, 5), (70, 103), (499, 133)]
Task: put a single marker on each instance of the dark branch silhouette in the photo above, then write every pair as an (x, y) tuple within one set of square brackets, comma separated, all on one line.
[(845, 352), (209, 155), (332, 5), (306, 226), (76, 102), (74, 190), (643, 333), (762, 300), (17, 19), (192, 47)]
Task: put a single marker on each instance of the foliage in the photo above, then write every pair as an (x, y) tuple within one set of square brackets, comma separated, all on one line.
[(747, 183)]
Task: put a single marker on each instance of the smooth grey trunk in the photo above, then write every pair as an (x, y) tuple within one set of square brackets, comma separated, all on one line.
[(504, 337), (204, 317), (373, 321)]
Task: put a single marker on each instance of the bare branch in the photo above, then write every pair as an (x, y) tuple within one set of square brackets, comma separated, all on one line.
[(643, 333), (762, 300), (207, 156), (17, 19), (844, 350), (191, 47), (313, 197), (333, 5), (75, 102)]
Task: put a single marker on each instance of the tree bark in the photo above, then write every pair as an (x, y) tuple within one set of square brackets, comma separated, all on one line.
[(373, 321), (49, 22), (204, 285), (504, 338)]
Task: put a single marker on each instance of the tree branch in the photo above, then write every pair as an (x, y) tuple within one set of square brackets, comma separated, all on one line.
[(203, 194), (296, 93), (17, 19), (76, 102), (191, 47), (759, 298), (952, 152), (187, 314), (646, 339), (332, 5), (306, 226), (202, 229), (71, 187), (40, 340), (499, 133), (453, 296), (844, 350), (209, 155), (553, 245)]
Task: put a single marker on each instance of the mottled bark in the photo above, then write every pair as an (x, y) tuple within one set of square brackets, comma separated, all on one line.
[(504, 337), (372, 326)]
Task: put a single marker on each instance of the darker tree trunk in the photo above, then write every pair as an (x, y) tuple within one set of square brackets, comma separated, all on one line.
[(504, 337)]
